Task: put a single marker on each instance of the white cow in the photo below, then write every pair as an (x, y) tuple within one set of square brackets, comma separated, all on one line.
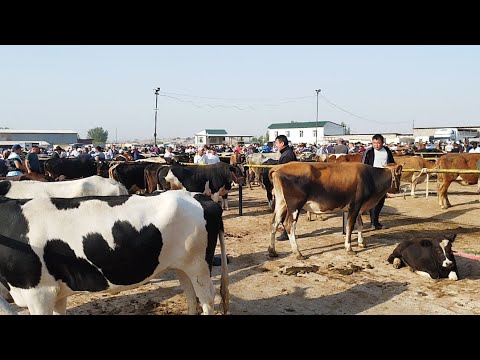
[(89, 186)]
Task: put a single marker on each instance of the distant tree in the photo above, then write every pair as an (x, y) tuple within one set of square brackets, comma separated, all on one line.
[(4, 128), (98, 135), (259, 139)]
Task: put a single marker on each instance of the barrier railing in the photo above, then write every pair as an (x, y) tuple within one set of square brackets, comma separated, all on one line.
[(421, 171)]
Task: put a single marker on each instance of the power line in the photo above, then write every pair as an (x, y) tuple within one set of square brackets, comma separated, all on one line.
[(360, 117), (238, 99)]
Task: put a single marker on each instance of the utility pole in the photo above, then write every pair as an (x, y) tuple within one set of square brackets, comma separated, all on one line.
[(316, 123), (157, 91)]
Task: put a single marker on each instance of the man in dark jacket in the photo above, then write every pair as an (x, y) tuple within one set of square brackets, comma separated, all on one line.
[(378, 156), (286, 155)]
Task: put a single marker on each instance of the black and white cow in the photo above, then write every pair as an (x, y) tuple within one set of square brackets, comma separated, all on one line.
[(92, 185), (130, 174), (51, 248), (212, 180), (431, 258)]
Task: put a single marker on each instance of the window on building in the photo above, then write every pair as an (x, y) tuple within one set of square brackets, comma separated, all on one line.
[(200, 140), (276, 133), (301, 133), (315, 133), (287, 134)]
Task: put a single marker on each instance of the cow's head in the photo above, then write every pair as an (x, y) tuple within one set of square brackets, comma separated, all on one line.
[(396, 174), (443, 251)]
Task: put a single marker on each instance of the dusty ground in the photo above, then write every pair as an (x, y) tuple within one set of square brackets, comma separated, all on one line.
[(329, 281)]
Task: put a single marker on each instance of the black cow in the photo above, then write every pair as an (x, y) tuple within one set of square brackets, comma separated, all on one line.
[(267, 183), (73, 168), (431, 258), (131, 175), (212, 180)]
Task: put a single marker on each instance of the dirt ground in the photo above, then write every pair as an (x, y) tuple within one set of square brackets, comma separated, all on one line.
[(329, 281)]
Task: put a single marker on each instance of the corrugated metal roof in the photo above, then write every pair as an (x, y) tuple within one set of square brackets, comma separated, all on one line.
[(296, 125), (216, 132), (12, 131)]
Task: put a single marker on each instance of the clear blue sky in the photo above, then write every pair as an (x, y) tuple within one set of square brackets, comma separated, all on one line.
[(242, 89)]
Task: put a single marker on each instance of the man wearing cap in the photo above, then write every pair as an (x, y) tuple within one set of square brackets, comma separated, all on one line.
[(56, 152), (340, 148), (31, 161), (14, 163)]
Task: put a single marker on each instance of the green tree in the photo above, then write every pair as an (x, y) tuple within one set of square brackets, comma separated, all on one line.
[(259, 139), (98, 135)]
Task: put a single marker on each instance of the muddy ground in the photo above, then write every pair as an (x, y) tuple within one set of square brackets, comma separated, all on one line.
[(329, 281)]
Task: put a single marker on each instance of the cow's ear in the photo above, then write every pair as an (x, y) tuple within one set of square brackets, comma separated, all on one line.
[(451, 237)]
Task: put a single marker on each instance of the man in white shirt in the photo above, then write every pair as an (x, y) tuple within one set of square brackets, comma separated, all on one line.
[(475, 148), (168, 152), (378, 156), (200, 158), (211, 157)]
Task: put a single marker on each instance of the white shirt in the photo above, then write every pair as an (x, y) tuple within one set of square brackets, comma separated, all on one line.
[(200, 159), (212, 159), (475, 151), (380, 158), (167, 154)]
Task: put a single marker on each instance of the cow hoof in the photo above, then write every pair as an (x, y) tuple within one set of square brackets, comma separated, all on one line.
[(301, 257), (453, 276), (362, 245), (397, 263), (226, 209), (351, 252), (271, 252)]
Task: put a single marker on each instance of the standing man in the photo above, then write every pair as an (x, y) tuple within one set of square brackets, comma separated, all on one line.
[(31, 161), (15, 162), (377, 156), (340, 148), (286, 155)]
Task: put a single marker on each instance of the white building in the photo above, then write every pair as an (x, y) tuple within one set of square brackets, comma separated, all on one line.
[(219, 137), (305, 132)]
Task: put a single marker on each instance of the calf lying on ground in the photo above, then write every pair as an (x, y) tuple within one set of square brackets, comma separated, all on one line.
[(51, 248), (431, 258)]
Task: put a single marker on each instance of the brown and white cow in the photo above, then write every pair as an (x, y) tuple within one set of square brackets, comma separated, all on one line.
[(320, 187), (455, 161), (417, 163)]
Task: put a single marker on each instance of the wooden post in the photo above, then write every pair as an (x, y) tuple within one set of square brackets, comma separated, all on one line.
[(240, 193)]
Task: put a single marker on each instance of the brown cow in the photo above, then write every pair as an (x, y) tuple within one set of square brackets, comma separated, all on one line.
[(28, 176), (455, 161), (320, 187), (413, 162), (338, 158)]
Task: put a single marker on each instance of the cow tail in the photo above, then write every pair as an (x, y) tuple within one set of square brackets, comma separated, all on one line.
[(224, 277)]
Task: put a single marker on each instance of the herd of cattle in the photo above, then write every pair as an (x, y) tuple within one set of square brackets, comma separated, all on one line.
[(102, 236)]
